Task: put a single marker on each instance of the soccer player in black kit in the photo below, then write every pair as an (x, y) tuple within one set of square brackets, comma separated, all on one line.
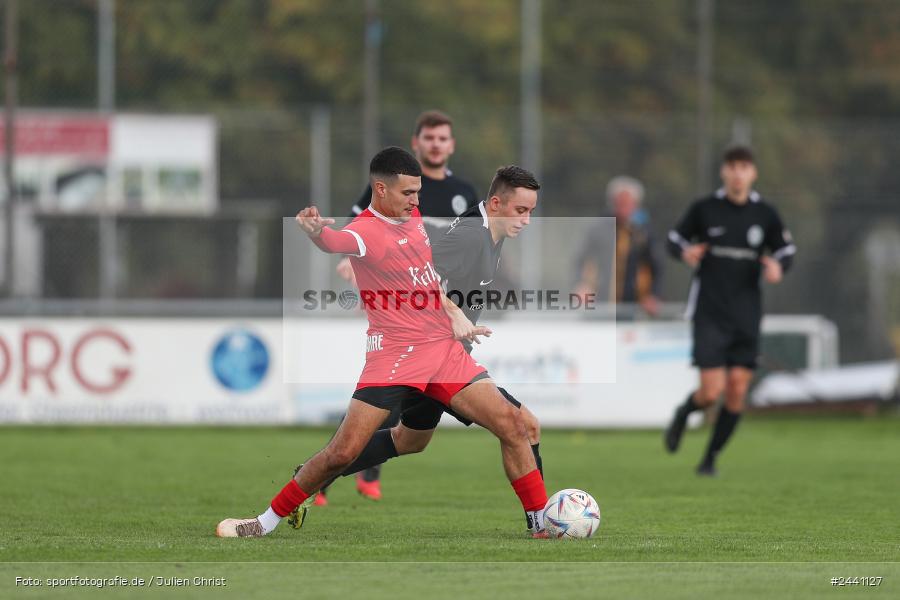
[(467, 258), (443, 197), (725, 237)]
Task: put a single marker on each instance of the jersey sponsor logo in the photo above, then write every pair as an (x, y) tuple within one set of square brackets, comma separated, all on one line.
[(755, 236), (715, 231), (732, 252), (485, 282), (459, 204), (424, 276), (424, 233), (402, 241), (374, 342)]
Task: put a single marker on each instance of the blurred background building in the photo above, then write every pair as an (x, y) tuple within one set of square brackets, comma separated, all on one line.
[(158, 144)]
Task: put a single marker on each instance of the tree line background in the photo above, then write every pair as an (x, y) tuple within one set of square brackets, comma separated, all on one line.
[(813, 84)]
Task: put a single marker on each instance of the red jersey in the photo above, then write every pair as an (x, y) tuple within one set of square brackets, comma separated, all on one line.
[(398, 285)]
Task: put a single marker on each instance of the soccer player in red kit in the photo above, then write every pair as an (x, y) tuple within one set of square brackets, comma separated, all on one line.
[(413, 346)]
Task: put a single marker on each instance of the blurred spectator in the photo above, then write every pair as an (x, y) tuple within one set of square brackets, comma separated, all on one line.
[(637, 264)]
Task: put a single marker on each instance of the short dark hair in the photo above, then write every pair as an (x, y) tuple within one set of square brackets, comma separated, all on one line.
[(432, 118), (738, 154), (393, 161), (509, 178)]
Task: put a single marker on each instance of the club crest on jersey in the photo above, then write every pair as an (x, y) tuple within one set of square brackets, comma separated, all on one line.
[(424, 276), (459, 204), (755, 236)]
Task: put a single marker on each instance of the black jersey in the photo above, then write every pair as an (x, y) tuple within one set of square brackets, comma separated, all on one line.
[(467, 259), (440, 201), (726, 284)]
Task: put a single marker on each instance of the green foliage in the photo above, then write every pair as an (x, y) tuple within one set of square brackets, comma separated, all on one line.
[(770, 56), (815, 81)]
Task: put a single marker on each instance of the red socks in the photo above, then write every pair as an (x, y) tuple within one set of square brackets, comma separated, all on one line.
[(290, 497), (530, 490)]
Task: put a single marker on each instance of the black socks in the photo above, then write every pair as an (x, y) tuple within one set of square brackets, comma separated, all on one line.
[(725, 425), (379, 449), (536, 449)]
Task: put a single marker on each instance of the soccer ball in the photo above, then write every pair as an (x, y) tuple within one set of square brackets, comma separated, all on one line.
[(571, 513)]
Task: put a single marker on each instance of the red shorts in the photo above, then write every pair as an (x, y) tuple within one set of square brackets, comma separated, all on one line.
[(438, 369)]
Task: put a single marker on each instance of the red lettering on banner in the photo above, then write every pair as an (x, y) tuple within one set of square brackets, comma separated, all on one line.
[(48, 135), (119, 374), (28, 370)]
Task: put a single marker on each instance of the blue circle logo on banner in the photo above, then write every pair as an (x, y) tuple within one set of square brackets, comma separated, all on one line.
[(240, 360)]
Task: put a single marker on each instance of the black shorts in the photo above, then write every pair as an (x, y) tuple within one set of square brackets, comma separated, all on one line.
[(426, 415), (390, 397), (721, 345), (415, 409)]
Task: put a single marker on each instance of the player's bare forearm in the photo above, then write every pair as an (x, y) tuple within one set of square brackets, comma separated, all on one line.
[(693, 254), (328, 240), (311, 222), (772, 269), (463, 329)]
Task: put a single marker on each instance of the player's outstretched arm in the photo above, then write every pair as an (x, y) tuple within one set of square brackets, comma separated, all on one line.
[(329, 240), (311, 222), (463, 329)]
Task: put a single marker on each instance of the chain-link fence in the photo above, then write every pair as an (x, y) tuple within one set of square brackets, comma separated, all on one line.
[(638, 88), (832, 181)]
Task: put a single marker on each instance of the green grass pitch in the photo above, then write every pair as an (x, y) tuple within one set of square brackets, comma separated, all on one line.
[(797, 503)]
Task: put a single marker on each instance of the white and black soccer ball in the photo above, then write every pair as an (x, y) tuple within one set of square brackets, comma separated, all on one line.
[(571, 513)]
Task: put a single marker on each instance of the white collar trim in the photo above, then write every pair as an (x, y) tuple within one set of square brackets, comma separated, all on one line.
[(753, 197), (484, 216), (384, 218)]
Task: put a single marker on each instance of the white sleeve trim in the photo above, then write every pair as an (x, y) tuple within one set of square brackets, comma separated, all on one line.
[(788, 250), (359, 242), (677, 239), (693, 294)]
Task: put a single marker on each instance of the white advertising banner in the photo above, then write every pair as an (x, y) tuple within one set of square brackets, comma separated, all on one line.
[(141, 371), (221, 371), (647, 375)]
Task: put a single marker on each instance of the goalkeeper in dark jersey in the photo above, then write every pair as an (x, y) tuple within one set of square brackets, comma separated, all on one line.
[(731, 239)]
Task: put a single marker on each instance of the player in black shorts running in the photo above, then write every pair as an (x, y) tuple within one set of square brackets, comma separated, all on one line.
[(725, 238), (467, 257)]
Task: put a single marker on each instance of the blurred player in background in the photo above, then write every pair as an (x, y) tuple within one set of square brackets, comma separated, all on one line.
[(638, 266), (725, 237), (443, 197), (412, 348), (467, 257)]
